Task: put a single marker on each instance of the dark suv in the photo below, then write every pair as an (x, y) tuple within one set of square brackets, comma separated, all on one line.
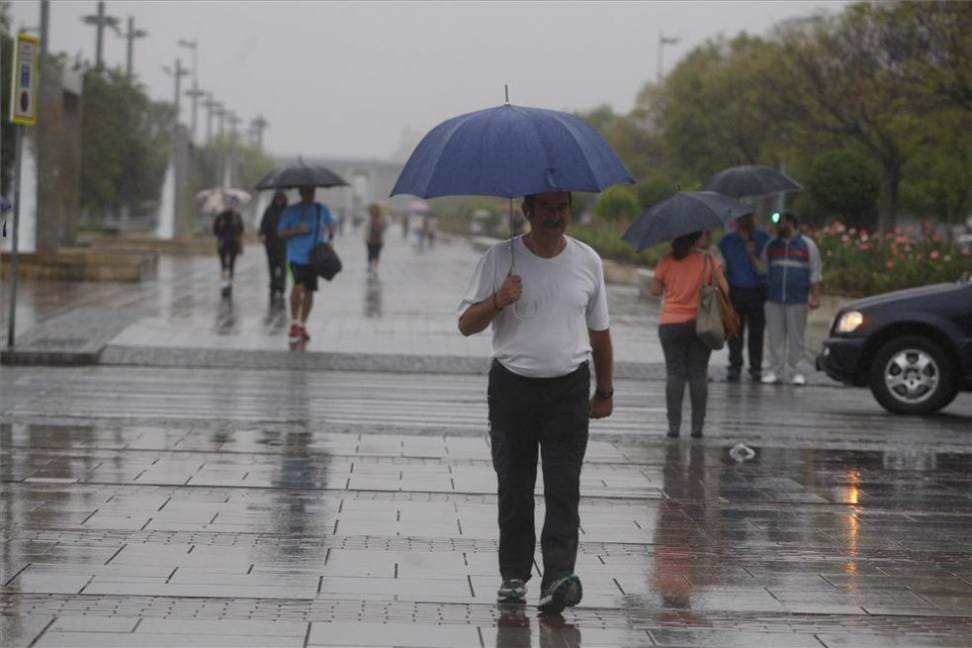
[(912, 347)]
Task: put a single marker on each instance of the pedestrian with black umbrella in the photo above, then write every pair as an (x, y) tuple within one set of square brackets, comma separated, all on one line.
[(303, 225), (678, 278)]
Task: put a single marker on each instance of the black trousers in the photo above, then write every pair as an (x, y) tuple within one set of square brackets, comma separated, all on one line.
[(527, 416), (748, 304), (277, 264)]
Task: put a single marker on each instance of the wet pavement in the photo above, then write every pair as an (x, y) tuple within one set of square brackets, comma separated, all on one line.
[(147, 507), (269, 502)]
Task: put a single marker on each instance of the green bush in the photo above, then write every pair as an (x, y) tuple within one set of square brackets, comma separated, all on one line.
[(617, 205), (654, 189), (847, 183)]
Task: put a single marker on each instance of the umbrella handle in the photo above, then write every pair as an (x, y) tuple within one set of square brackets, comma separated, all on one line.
[(512, 256)]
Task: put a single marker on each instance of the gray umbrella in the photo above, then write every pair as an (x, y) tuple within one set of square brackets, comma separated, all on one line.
[(683, 213), (300, 175), (750, 180)]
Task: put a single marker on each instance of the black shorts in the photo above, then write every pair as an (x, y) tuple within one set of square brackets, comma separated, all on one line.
[(374, 249), (304, 275)]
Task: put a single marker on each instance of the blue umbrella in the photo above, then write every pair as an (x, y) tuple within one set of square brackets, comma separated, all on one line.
[(683, 213), (510, 151)]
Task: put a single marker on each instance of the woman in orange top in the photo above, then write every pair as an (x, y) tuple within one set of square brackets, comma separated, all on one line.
[(679, 276)]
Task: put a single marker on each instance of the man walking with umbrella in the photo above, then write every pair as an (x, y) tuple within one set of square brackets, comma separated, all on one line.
[(303, 225), (548, 318)]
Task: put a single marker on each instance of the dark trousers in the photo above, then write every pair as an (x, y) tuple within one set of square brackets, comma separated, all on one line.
[(277, 264), (748, 304), (686, 361), (227, 258), (527, 415)]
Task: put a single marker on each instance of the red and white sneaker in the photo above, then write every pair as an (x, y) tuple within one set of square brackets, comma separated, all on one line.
[(295, 333), (305, 336)]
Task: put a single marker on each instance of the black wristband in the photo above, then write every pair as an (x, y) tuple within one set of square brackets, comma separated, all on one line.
[(605, 395)]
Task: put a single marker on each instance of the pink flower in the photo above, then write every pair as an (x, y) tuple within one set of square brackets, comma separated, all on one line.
[(845, 239), (901, 240), (852, 231), (889, 265), (934, 254), (966, 252)]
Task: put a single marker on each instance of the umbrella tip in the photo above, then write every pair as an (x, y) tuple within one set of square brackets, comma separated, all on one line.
[(506, 87)]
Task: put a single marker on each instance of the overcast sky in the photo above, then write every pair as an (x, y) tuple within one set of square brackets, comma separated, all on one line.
[(345, 79)]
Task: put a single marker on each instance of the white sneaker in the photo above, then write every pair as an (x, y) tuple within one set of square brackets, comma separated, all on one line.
[(799, 379), (770, 378)]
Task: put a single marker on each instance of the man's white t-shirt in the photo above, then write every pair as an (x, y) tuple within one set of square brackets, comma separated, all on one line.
[(545, 334)]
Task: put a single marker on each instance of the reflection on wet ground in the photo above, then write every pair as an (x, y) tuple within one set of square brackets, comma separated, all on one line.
[(300, 509)]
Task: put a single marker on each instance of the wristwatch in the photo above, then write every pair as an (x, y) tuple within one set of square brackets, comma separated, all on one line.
[(605, 395)]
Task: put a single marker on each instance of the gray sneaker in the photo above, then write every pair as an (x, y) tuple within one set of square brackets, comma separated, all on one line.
[(513, 590), (566, 592)]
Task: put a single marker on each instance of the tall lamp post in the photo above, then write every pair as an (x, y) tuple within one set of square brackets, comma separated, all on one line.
[(130, 37), (662, 42), (209, 104), (100, 21), (194, 93), (257, 126)]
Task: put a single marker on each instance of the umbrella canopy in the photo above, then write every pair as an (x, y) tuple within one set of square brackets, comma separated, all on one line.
[(510, 151), (213, 201), (750, 180), (683, 213), (300, 175)]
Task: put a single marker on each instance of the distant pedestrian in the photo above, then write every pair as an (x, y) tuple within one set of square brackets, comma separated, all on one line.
[(375, 236), (747, 291), (548, 320), (794, 273), (303, 225), (276, 247), (679, 276), (228, 229)]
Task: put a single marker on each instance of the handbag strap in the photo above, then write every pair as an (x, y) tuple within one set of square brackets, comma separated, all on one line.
[(705, 266)]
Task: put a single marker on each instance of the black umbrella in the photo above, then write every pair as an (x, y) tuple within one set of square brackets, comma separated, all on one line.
[(750, 180), (300, 175), (683, 213)]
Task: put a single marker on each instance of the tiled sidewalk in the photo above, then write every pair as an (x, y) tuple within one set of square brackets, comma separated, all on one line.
[(274, 508)]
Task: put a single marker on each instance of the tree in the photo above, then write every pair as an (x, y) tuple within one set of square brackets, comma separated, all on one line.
[(654, 189), (617, 204), (845, 183), (125, 140), (709, 110), (841, 77)]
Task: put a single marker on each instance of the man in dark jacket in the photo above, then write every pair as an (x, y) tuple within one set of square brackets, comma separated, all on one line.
[(276, 247)]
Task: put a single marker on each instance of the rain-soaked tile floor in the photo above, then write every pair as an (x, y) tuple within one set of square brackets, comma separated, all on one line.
[(171, 507)]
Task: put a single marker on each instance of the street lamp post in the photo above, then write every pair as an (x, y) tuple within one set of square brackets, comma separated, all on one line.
[(209, 104), (258, 124), (234, 121), (178, 72), (194, 93), (130, 37), (100, 21), (662, 42)]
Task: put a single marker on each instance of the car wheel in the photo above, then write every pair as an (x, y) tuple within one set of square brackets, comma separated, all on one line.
[(912, 375)]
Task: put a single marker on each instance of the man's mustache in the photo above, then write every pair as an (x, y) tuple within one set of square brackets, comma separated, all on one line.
[(553, 223)]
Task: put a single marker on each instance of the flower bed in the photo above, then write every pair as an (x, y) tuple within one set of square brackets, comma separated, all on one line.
[(858, 262)]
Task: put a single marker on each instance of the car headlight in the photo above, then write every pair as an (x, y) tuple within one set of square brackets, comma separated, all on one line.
[(850, 322)]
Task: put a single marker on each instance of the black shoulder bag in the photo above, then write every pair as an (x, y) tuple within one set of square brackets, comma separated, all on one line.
[(323, 258)]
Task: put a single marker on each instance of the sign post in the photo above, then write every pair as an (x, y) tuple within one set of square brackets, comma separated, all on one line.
[(23, 112)]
